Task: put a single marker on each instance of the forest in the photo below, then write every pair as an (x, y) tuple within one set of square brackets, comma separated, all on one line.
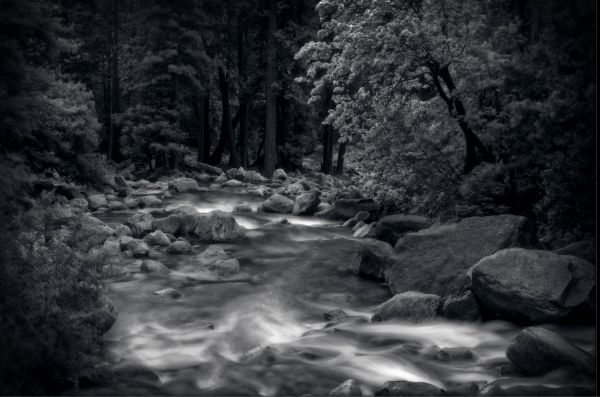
[(189, 189)]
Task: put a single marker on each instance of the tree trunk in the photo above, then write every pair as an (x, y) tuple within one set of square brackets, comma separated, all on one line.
[(205, 106), (283, 130), (243, 110), (340, 158), (271, 119), (475, 152), (327, 149), (227, 126), (199, 109), (113, 150)]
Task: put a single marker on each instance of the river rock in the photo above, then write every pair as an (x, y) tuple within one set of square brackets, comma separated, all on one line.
[(242, 209), (343, 209), (582, 249), (79, 203), (278, 204), (179, 247), (404, 388), (225, 268), (254, 178), (149, 201), (232, 183), (92, 229), (236, 173), (536, 351), (157, 237), (115, 205), (139, 229), (306, 204), (296, 188), (411, 305), (372, 259), (217, 226), (365, 231), (350, 223), (211, 254), (453, 354), (138, 248), (184, 184), (335, 315), (436, 260), (463, 307), (168, 293), (221, 178), (349, 387), (279, 174), (390, 228), (96, 201), (532, 286), (122, 230), (495, 389), (150, 266)]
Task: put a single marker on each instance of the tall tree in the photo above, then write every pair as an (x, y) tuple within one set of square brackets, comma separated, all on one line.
[(271, 112)]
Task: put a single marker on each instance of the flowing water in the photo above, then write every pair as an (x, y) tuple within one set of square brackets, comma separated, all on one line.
[(262, 332)]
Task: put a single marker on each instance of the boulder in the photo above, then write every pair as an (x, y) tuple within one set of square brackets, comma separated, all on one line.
[(139, 229), (362, 216), (358, 225), (157, 237), (279, 174), (202, 177), (180, 247), (184, 184), (372, 259), (390, 228), (349, 387), (254, 177), (278, 204), (536, 351), (149, 201), (96, 201), (211, 254), (150, 266), (436, 260), (306, 204), (582, 249), (236, 173), (532, 286), (225, 268), (405, 388), (350, 223), (454, 354), (462, 307), (138, 248), (221, 178), (80, 203), (122, 230), (92, 229), (217, 226), (412, 306), (343, 209), (365, 231)]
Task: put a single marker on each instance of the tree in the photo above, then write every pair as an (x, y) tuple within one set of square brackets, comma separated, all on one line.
[(271, 113)]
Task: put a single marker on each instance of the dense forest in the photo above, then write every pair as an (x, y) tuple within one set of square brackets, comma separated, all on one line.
[(442, 110)]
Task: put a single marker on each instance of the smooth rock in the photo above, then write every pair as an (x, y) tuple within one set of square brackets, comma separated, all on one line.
[(179, 247), (225, 268), (532, 286), (278, 204), (232, 183), (122, 230), (453, 354), (157, 237), (365, 231), (411, 306)]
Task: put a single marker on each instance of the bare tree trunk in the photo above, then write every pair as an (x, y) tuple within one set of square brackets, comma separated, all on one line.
[(113, 148), (243, 110), (283, 131), (327, 149), (340, 158), (271, 121), (476, 152), (227, 127)]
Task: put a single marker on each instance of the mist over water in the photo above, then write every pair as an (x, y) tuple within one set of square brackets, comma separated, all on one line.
[(263, 331)]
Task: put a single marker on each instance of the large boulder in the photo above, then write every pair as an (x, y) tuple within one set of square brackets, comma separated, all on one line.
[(278, 204), (217, 226), (184, 184), (582, 249), (536, 351), (343, 209), (390, 228), (436, 260), (411, 306), (372, 259), (306, 204), (532, 285), (463, 307), (96, 201)]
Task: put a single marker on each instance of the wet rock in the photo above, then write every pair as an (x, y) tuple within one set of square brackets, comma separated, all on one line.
[(138, 248), (453, 354), (306, 204), (404, 388), (217, 226), (390, 228), (149, 201), (150, 266), (211, 254), (347, 208), (122, 230), (141, 228), (242, 209), (365, 231), (279, 174), (111, 248), (157, 237), (185, 185), (254, 178), (358, 225), (581, 249), (335, 315), (463, 307), (180, 247), (496, 389), (372, 259), (101, 320), (262, 353), (176, 224), (436, 260), (232, 183), (536, 351), (168, 293), (225, 267), (349, 387), (99, 375), (278, 204), (532, 286), (411, 306), (96, 201)]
